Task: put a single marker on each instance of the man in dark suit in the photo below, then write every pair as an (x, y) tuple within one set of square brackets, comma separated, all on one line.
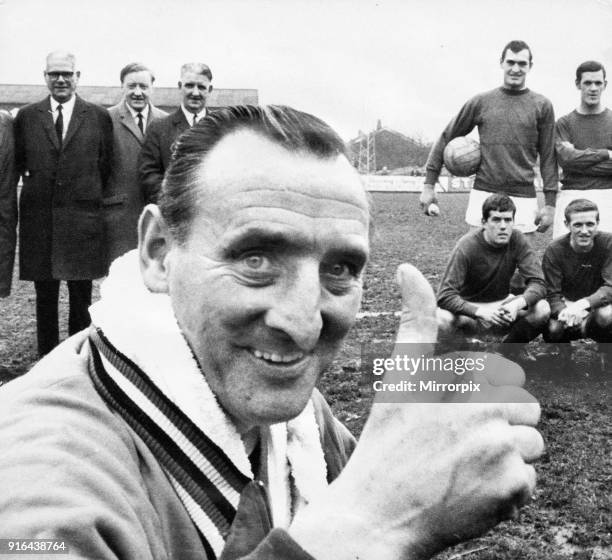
[(131, 117), (63, 148), (8, 203), (195, 87)]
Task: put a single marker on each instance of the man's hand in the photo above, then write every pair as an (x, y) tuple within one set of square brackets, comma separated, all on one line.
[(493, 315), (544, 218), (425, 476), (574, 313), (510, 309), (427, 198)]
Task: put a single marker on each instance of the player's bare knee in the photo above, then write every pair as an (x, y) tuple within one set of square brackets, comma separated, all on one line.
[(465, 323), (603, 316), (539, 313), (554, 331), (445, 321)]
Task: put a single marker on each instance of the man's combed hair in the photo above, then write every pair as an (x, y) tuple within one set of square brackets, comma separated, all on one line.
[(197, 68), (580, 205), (589, 66), (293, 130), (62, 54), (516, 46), (135, 67), (500, 202)]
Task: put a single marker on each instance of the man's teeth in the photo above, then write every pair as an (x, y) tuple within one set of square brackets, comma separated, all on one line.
[(271, 357)]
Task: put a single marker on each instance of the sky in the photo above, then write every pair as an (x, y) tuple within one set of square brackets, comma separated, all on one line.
[(410, 63)]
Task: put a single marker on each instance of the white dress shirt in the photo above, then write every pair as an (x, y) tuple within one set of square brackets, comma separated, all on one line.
[(67, 109), (189, 115), (144, 113)]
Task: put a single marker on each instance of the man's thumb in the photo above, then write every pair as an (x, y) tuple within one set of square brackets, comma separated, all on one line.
[(418, 315)]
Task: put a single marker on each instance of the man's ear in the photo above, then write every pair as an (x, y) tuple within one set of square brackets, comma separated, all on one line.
[(154, 244)]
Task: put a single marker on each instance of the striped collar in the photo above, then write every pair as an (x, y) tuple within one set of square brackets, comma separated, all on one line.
[(143, 368)]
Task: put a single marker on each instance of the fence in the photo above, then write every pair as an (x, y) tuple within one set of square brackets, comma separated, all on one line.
[(407, 183)]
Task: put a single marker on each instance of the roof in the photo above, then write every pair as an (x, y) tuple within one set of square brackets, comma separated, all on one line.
[(22, 94), (377, 131)]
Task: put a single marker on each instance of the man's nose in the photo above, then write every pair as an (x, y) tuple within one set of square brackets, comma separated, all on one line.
[(137, 90), (297, 311)]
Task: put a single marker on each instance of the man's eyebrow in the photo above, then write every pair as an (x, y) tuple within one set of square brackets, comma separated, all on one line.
[(266, 238), (256, 237)]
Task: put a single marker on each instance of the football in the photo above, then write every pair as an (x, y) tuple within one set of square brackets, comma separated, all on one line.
[(462, 156), (433, 210)]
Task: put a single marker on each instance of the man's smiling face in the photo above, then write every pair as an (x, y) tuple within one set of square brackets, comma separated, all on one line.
[(269, 279), (516, 66), (583, 228)]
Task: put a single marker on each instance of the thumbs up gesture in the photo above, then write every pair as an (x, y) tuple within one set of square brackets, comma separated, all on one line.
[(427, 475)]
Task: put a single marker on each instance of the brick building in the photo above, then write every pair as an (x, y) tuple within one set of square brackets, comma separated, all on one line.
[(389, 150)]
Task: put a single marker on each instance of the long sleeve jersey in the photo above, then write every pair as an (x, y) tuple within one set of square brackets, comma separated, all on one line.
[(514, 127), (582, 143), (574, 275), (479, 272)]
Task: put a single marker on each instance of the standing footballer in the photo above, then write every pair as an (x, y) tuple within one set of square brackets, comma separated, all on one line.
[(583, 143), (515, 124)]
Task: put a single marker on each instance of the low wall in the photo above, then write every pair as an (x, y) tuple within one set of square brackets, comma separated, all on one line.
[(407, 183)]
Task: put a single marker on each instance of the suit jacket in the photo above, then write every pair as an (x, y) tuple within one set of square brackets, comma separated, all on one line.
[(8, 204), (124, 200), (61, 228), (157, 150)]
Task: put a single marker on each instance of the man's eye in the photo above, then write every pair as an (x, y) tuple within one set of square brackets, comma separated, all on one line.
[(339, 270), (256, 262)]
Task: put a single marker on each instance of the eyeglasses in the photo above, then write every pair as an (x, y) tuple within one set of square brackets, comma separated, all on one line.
[(57, 75)]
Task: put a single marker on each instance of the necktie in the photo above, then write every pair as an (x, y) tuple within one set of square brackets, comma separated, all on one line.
[(59, 124), (194, 120), (140, 125)]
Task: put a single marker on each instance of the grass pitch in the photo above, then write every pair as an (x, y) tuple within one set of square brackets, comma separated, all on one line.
[(571, 516)]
